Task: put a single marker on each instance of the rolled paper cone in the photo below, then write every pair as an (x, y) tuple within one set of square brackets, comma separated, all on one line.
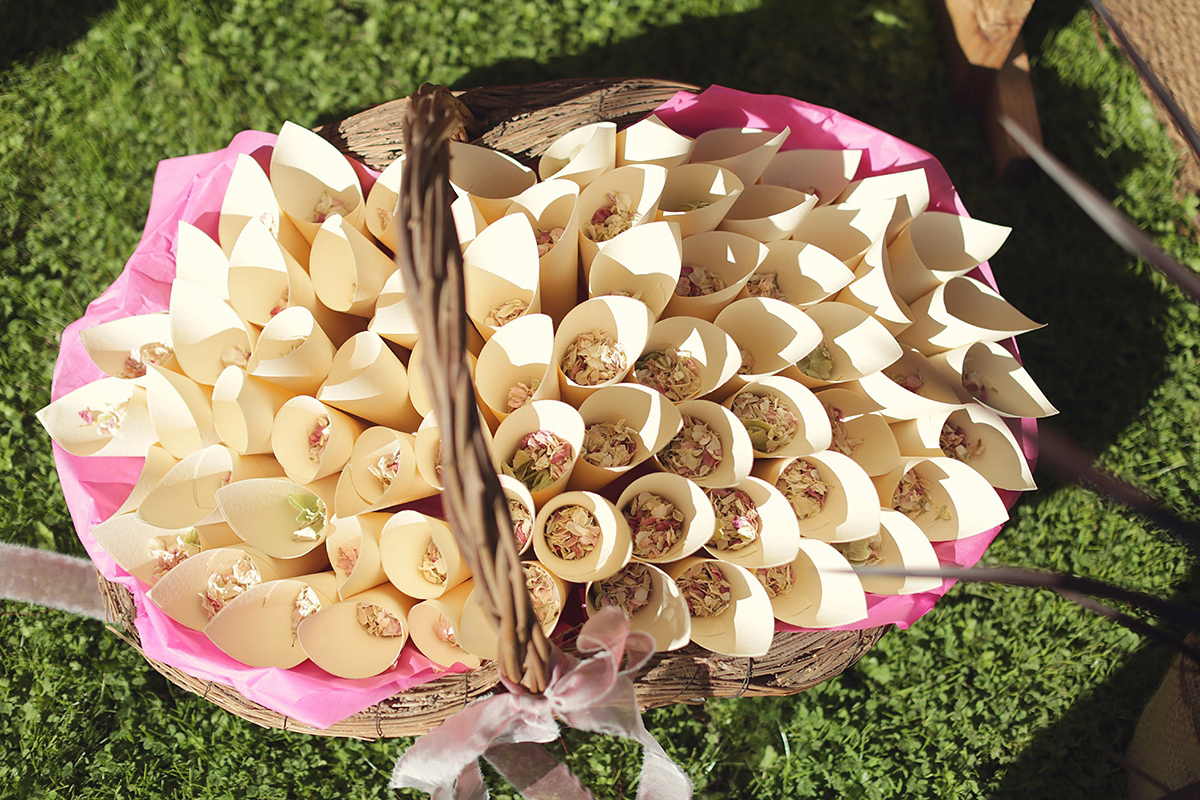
[(249, 196), (582, 155), (353, 549), (910, 190), (664, 616), (548, 415), (689, 499), (107, 417), (123, 347), (393, 318), (851, 509), (186, 495), (960, 312), (989, 374), (826, 593), (611, 552), (715, 353), (652, 419), (348, 271), (313, 181), (368, 380), (937, 246), (626, 320), (515, 491), (846, 231), (207, 334), (180, 410), (336, 641), (181, 592), (403, 545), (501, 266), (200, 260), (550, 206), (889, 389), (638, 187), (988, 447), (732, 257), (812, 432), (804, 273), (768, 213), (697, 197), (381, 203), (279, 517), (773, 333), (650, 141), (143, 550), (824, 173), (743, 151), (779, 537), (491, 178), (427, 449), (905, 547), (871, 291), (158, 462), (857, 343), (323, 583), (218, 534), (293, 352), (745, 627), (864, 435), (244, 409), (468, 219), (434, 625), (298, 422), (960, 501), (381, 453), (644, 264), (520, 353), (258, 627), (263, 278), (477, 634), (737, 454)]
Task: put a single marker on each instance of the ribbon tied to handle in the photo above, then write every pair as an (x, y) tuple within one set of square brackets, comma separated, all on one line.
[(594, 695)]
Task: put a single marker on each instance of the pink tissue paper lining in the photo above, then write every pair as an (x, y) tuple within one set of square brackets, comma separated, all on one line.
[(191, 189)]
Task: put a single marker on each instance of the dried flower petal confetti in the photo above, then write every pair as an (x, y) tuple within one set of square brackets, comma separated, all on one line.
[(107, 420), (572, 532), (541, 459), (318, 438), (654, 523), (801, 484), (953, 442), (169, 551), (776, 580), (378, 621), (305, 605), (326, 206), (522, 393), (863, 552), (913, 381), (695, 281), (310, 516), (593, 358), (738, 521), (765, 284), (672, 373), (546, 239), (976, 387), (768, 420), (609, 444), (444, 632), (695, 452), (544, 592), (608, 221), (347, 558), (506, 312), (522, 521), (226, 585), (628, 590), (433, 565), (150, 353), (747, 361), (912, 497), (235, 357), (386, 468), (817, 364), (705, 589), (843, 442)]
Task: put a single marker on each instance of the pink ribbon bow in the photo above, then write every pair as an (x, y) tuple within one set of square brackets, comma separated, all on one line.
[(593, 695)]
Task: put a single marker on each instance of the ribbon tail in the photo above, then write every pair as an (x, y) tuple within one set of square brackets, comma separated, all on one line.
[(535, 773)]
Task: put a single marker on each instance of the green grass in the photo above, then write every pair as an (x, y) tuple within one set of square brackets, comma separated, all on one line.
[(999, 692)]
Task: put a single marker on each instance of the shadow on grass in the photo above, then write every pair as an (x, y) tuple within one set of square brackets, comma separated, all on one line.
[(33, 29)]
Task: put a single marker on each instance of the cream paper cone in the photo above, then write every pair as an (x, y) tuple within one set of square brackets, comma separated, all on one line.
[(904, 547), (858, 344), (478, 635), (549, 415), (427, 448), (643, 263), (745, 627), (868, 437), (665, 616), (296, 423), (144, 551), (123, 347), (910, 190), (627, 320), (768, 213), (778, 540), (180, 410), (348, 271), (200, 260), (218, 534), (898, 402), (444, 613), (872, 292), (264, 278), (515, 491), (608, 556), (393, 318), (313, 181), (582, 155), (743, 151), (650, 141), (938, 246), (774, 334), (1000, 460), (961, 502), (824, 173), (688, 498), (373, 452), (737, 454), (244, 409), (249, 196), (353, 549), (402, 546), (489, 176), (180, 592), (258, 627), (186, 495), (293, 352), (207, 334), (499, 266), (652, 418), (730, 256), (812, 422), (368, 380), (715, 352), (990, 375), (826, 592), (107, 417), (847, 232), (338, 644), (550, 206), (314, 561), (804, 273), (960, 312), (521, 352), (264, 513), (851, 509), (380, 208), (641, 186), (697, 197), (156, 464)]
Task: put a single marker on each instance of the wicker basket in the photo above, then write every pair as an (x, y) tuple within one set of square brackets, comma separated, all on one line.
[(522, 121)]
